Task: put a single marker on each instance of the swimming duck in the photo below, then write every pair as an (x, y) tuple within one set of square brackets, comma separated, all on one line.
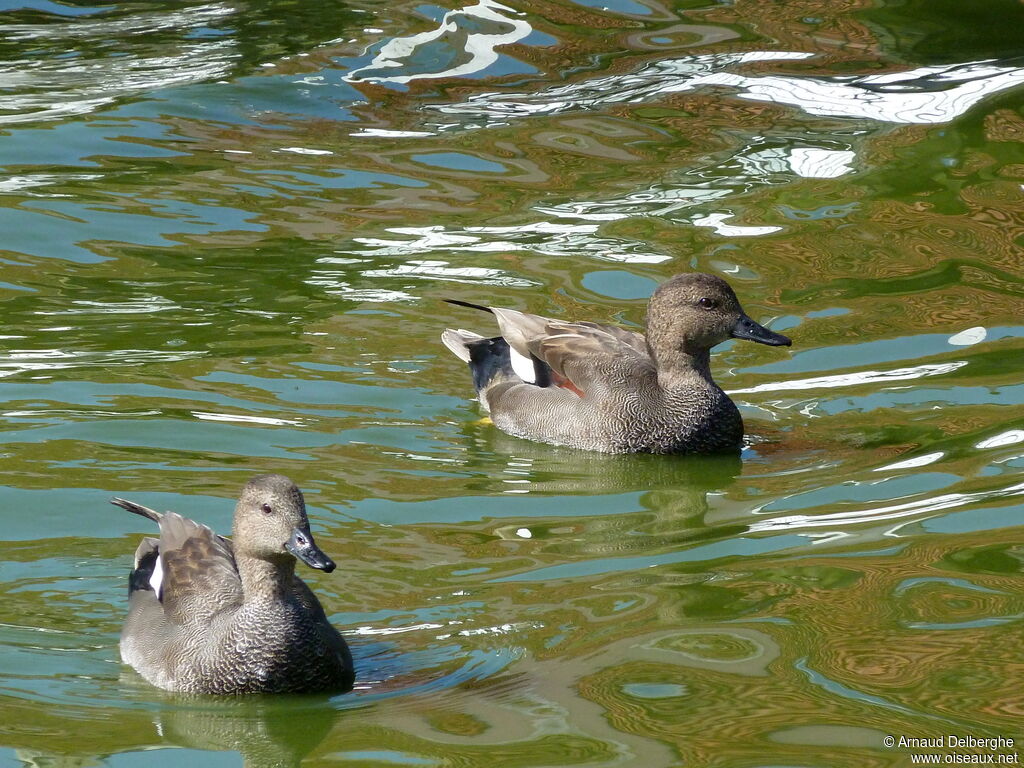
[(604, 388), (211, 615)]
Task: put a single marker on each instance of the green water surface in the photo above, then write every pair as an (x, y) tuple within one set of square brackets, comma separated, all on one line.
[(227, 231)]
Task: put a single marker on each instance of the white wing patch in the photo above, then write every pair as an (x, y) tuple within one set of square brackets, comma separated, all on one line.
[(523, 366), (156, 579)]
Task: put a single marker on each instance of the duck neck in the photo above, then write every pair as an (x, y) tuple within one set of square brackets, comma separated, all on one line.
[(265, 579), (683, 367)]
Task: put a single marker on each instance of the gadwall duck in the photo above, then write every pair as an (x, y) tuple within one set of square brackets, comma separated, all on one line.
[(212, 615), (608, 389)]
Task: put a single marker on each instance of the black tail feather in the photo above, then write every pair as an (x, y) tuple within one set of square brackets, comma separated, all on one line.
[(458, 303), (138, 509)]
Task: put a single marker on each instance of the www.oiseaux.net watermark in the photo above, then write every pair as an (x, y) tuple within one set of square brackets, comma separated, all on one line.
[(952, 749)]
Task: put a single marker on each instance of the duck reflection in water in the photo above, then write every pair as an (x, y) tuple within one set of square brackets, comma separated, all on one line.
[(662, 501)]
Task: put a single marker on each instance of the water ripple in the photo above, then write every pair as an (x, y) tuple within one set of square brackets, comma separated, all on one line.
[(886, 513), (854, 378), (91, 73), (21, 361), (463, 43), (922, 95)]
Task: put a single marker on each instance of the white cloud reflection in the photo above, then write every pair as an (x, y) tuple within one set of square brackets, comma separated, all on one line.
[(922, 95), (886, 513), (1010, 437), (817, 163), (717, 222), (935, 94), (61, 86), (463, 43), (855, 378), (913, 463), (439, 270), (18, 361), (543, 237)]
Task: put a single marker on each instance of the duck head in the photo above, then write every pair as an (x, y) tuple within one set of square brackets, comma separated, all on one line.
[(271, 523), (693, 312)]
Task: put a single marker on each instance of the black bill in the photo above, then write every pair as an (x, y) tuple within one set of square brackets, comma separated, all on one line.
[(746, 328), (301, 545)]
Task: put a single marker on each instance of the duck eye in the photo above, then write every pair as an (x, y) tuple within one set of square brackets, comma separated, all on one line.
[(267, 509), (707, 303)]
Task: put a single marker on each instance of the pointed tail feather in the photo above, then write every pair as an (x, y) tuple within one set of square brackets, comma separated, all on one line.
[(458, 303), (138, 509)]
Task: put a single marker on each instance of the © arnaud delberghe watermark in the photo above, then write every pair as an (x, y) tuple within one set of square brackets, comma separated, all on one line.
[(954, 749)]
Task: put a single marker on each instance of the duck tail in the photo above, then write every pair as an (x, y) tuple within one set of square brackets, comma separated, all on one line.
[(138, 509), (458, 342), (147, 562), (489, 359)]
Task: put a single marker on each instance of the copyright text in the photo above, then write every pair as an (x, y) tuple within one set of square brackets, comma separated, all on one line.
[(985, 750)]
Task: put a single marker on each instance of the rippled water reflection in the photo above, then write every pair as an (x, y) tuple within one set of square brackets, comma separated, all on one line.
[(228, 228)]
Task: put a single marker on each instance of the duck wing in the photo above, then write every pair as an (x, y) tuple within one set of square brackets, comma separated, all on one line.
[(632, 339), (591, 357), (524, 331), (200, 574), (194, 574), (580, 356)]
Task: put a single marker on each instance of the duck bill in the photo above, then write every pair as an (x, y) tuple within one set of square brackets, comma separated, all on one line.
[(746, 328), (301, 545)]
